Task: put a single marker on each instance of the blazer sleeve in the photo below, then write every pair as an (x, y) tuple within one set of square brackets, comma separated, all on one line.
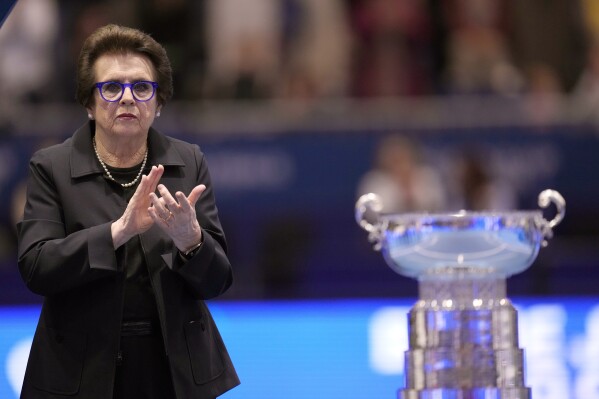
[(208, 273), (50, 261)]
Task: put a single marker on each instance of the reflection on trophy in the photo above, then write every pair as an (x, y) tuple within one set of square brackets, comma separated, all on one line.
[(463, 330)]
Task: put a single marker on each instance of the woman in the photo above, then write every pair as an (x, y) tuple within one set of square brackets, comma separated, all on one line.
[(124, 253)]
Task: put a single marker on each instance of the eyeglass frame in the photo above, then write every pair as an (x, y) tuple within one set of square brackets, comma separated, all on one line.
[(123, 87)]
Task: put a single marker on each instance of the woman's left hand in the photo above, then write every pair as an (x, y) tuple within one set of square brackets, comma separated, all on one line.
[(177, 216)]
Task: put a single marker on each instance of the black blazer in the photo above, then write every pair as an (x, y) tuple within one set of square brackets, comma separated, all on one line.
[(66, 254)]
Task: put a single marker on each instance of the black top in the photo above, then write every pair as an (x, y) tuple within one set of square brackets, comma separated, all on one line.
[(139, 302)]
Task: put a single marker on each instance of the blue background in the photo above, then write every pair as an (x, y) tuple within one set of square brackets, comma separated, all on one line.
[(320, 349)]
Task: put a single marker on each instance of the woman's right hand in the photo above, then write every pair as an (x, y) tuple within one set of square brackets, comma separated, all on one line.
[(136, 218)]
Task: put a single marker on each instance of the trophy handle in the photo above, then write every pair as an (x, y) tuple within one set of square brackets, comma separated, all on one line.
[(546, 197), (370, 203)]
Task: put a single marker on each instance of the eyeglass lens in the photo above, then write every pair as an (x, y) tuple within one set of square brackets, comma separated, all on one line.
[(113, 91)]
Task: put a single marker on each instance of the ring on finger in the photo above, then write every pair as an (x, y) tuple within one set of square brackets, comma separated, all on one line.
[(170, 215)]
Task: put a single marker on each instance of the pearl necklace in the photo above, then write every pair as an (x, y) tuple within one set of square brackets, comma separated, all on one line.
[(125, 185)]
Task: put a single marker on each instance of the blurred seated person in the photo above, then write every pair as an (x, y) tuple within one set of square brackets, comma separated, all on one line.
[(544, 95), (478, 189), (586, 91), (401, 179)]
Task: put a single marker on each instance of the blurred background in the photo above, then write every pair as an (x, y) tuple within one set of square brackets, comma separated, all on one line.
[(302, 105)]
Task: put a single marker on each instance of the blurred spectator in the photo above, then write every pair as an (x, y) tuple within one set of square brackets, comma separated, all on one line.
[(549, 33), (243, 48), (77, 20), (393, 48), (401, 178), (478, 56), (439, 34), (590, 13), (543, 94), (176, 25), (28, 39), (316, 49), (478, 188), (586, 91)]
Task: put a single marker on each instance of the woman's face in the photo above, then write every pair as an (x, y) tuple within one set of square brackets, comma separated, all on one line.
[(127, 117)]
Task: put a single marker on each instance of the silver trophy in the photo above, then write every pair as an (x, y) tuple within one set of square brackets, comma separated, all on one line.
[(463, 330)]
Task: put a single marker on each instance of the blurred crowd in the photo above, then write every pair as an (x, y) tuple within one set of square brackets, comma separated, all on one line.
[(305, 49), (407, 180)]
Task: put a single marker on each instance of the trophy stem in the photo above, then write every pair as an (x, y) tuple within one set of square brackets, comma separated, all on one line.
[(463, 340), (461, 288)]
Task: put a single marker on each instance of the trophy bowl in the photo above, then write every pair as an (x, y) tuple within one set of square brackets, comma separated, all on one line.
[(418, 244)]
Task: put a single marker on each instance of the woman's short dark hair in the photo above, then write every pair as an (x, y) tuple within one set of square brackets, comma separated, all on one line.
[(119, 39)]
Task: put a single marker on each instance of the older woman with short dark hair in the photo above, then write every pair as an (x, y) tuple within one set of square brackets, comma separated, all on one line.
[(121, 236)]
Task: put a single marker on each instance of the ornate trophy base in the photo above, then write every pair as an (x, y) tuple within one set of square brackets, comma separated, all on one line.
[(463, 341), (477, 393)]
